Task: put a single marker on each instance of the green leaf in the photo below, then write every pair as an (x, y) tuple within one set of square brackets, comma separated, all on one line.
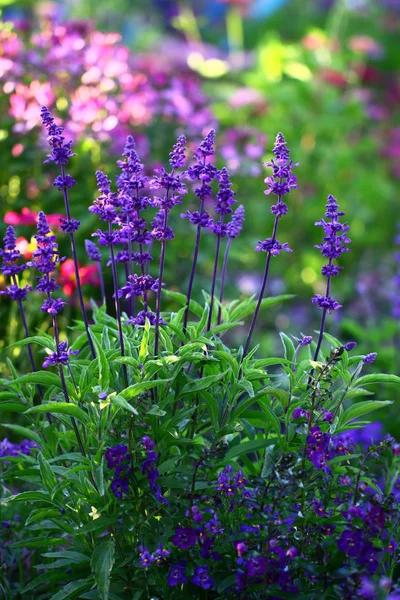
[(75, 557), (243, 311), (25, 432), (247, 448), (45, 342), (118, 400), (377, 378), (194, 307), (288, 346), (156, 411), (40, 514), (144, 346), (195, 385), (248, 387), (362, 408), (102, 562), (40, 541), (43, 578), (62, 408), (102, 523), (40, 377), (48, 477), (213, 408), (104, 367), (30, 497), (71, 589), (139, 388)]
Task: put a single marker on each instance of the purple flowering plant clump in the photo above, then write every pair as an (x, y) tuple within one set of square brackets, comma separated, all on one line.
[(162, 462)]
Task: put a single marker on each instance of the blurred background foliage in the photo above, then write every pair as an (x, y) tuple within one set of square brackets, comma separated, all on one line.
[(325, 73)]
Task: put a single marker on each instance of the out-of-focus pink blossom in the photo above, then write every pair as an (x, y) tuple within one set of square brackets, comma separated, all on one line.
[(246, 96), (29, 217), (365, 44)]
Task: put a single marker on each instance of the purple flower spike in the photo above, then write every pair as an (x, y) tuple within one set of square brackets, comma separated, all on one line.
[(225, 195), (280, 184), (11, 256), (233, 229), (350, 346), (307, 339), (61, 152), (225, 200), (92, 251), (236, 225), (369, 358), (177, 157), (206, 147), (204, 172), (333, 245)]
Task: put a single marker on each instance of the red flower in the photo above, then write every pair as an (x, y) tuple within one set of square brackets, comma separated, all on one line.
[(335, 78), (88, 275)]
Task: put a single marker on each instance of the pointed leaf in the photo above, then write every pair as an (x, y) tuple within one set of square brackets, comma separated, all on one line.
[(362, 408), (102, 562), (139, 388), (247, 448), (62, 408), (71, 590), (195, 385)]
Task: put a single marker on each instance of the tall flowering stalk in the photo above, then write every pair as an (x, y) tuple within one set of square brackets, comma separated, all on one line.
[(131, 182), (233, 229), (225, 199), (60, 154), (204, 172), (280, 184), (45, 259), (333, 245), (105, 206), (12, 267), (174, 189), (94, 254)]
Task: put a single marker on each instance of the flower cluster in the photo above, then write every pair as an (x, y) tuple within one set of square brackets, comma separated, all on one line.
[(234, 227), (106, 89), (204, 172), (60, 357), (332, 247), (12, 267), (46, 259), (119, 459), (279, 184)]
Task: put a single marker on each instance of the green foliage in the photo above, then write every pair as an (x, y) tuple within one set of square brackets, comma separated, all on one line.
[(204, 407)]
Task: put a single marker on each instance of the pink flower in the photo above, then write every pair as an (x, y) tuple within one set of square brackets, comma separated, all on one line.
[(29, 218)]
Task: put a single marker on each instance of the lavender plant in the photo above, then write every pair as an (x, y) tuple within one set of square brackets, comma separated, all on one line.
[(267, 493), (60, 154)]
